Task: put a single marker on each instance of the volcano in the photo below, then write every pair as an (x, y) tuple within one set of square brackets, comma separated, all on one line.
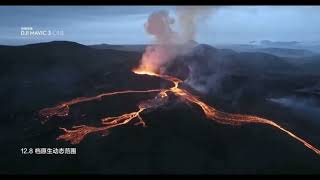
[(126, 120)]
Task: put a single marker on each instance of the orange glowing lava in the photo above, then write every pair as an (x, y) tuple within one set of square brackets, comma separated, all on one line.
[(77, 133), (62, 110)]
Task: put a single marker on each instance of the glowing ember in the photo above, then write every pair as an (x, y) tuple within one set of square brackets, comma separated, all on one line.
[(77, 133)]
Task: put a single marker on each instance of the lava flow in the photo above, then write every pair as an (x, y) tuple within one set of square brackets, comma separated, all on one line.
[(62, 109), (77, 133)]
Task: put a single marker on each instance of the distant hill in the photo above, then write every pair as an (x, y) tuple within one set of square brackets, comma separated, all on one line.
[(279, 43), (296, 52), (208, 57), (58, 53), (102, 46), (284, 52), (60, 65), (135, 48)]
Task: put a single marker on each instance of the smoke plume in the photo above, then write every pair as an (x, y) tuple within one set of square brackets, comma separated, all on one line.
[(156, 56), (166, 46)]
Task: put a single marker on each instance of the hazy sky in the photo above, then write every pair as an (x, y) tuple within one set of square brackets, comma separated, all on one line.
[(125, 24)]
